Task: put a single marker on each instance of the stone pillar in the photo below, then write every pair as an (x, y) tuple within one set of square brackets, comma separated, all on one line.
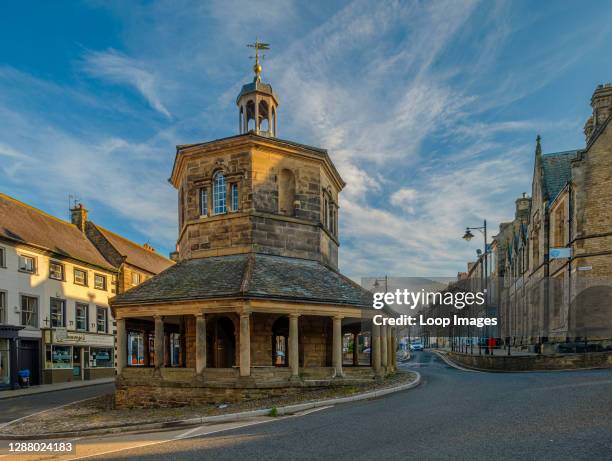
[(390, 352), (245, 344), (375, 348), (200, 343), (121, 339), (355, 349), (395, 348), (294, 356), (159, 342), (337, 346), (384, 355)]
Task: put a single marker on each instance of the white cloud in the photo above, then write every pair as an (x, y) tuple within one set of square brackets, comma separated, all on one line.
[(404, 198), (118, 68)]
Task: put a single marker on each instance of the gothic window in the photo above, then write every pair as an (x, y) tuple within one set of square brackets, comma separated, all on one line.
[(219, 194), (181, 206), (286, 192), (234, 196), (203, 201), (325, 212)]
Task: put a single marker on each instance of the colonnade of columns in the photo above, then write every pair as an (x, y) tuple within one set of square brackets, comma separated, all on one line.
[(383, 345)]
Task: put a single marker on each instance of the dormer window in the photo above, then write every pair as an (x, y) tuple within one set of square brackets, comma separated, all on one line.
[(219, 194)]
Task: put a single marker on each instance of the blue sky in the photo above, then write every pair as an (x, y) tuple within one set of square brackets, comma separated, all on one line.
[(429, 109)]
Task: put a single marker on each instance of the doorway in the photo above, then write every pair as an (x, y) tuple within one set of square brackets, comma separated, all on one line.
[(222, 342)]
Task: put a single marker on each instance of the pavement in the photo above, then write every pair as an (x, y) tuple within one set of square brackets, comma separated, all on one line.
[(453, 414), (52, 387)]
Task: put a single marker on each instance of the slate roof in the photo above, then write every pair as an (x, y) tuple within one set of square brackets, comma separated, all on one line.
[(28, 225), (251, 276), (136, 254), (556, 168), (257, 85)]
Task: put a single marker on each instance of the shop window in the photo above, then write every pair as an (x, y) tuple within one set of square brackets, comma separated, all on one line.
[(102, 319), (58, 312), (80, 277), (29, 311), (27, 264), (81, 316), (100, 282), (135, 351), (56, 270), (101, 357), (58, 356)]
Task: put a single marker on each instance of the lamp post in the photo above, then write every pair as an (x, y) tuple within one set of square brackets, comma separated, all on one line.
[(467, 237)]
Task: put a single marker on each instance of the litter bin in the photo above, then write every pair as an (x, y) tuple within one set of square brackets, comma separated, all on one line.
[(24, 377)]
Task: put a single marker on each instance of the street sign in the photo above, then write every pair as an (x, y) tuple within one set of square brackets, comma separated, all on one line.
[(556, 253)]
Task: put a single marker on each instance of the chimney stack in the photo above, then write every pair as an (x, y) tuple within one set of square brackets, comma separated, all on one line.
[(78, 216)]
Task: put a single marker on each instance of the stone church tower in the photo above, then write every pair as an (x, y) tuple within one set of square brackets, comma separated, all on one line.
[(255, 192)]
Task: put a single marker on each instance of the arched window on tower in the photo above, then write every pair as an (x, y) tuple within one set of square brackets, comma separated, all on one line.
[(250, 116), (273, 127), (241, 120), (219, 193), (286, 192)]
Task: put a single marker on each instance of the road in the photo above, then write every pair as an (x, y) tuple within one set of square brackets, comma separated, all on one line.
[(452, 415), (18, 407)]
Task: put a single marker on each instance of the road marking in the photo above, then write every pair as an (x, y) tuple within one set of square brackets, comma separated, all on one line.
[(454, 365), (192, 433), (189, 436), (307, 412)]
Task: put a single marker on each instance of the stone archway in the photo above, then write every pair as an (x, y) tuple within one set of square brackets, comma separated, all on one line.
[(221, 339)]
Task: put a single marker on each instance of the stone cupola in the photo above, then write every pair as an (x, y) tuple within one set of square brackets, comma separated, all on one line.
[(257, 103)]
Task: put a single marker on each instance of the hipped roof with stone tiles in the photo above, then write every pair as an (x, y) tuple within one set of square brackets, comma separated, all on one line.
[(135, 254), (22, 223), (248, 276)]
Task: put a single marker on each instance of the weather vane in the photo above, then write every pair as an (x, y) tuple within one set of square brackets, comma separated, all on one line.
[(257, 67)]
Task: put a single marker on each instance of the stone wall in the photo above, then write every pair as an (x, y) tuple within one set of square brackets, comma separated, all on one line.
[(534, 362)]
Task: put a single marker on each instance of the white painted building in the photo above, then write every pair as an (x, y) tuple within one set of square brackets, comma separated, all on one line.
[(55, 318)]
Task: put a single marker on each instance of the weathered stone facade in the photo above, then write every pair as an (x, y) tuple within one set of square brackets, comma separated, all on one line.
[(255, 305), (261, 221), (546, 301)]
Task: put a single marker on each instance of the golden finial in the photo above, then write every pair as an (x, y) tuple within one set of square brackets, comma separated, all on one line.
[(257, 67)]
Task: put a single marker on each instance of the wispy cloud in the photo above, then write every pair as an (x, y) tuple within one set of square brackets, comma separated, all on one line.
[(120, 69)]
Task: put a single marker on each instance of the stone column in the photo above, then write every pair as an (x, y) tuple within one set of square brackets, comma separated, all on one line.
[(375, 348), (294, 357), (245, 345), (384, 355), (200, 343), (355, 349), (159, 342), (390, 353), (395, 348), (121, 346), (337, 346)]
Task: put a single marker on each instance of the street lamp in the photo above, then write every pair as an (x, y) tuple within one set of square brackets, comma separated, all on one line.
[(469, 236)]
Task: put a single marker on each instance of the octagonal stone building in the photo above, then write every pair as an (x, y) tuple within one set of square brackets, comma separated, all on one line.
[(255, 305)]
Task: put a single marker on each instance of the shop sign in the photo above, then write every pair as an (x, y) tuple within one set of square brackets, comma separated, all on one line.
[(62, 336)]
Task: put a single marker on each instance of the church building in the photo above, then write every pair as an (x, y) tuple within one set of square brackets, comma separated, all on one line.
[(256, 304)]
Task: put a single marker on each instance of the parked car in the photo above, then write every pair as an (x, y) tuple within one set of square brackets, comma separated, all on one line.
[(416, 346)]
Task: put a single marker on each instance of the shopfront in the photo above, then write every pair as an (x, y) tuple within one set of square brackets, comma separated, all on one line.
[(77, 356)]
